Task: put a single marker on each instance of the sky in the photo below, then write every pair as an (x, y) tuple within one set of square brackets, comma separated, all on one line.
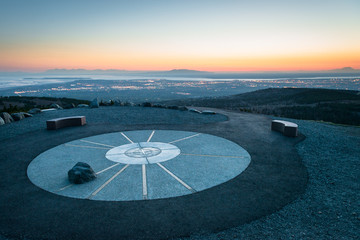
[(223, 35)]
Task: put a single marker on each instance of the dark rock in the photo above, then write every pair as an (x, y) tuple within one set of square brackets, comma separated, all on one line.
[(26, 115), (157, 105), (17, 116), (82, 106), (183, 108), (94, 103), (81, 173), (2, 122), (173, 107), (118, 103), (6, 117), (129, 104), (34, 111), (194, 110), (106, 104), (69, 106), (49, 109), (54, 105), (146, 104)]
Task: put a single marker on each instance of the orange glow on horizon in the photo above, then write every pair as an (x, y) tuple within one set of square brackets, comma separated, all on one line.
[(36, 61)]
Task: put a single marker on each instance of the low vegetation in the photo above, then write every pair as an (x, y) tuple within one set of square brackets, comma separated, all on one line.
[(14, 104), (337, 106)]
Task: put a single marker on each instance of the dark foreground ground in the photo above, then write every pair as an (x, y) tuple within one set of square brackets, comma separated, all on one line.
[(269, 200), (330, 207)]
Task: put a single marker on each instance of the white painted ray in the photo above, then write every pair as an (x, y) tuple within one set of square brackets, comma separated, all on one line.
[(107, 182), (181, 139), (63, 188), (127, 138), (104, 170), (144, 184), (152, 134), (96, 143), (114, 154), (80, 146), (176, 178), (203, 155)]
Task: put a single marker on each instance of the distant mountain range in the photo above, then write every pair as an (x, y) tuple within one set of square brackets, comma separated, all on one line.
[(345, 69), (182, 71), (189, 73)]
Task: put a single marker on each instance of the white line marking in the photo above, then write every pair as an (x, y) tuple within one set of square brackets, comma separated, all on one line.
[(176, 178), (114, 154), (144, 182), (97, 143), (107, 182), (63, 188), (152, 134), (104, 170), (72, 145), (185, 138), (200, 155), (142, 150), (126, 137)]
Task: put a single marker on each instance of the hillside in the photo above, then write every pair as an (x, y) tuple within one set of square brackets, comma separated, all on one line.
[(15, 103), (337, 106)]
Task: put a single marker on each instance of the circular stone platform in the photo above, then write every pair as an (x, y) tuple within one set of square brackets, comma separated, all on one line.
[(137, 165)]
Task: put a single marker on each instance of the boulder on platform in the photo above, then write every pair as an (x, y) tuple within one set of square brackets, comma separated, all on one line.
[(17, 116), (82, 106), (6, 117), (81, 173), (57, 106), (26, 115), (34, 111), (69, 106)]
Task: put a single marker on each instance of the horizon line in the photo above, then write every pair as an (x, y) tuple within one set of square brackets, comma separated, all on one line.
[(178, 69)]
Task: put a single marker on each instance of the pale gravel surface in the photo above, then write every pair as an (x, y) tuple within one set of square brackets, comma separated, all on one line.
[(330, 207)]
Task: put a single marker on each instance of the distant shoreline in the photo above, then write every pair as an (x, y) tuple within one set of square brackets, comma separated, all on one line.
[(15, 81)]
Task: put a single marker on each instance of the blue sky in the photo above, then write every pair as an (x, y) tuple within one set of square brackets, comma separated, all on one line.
[(208, 35)]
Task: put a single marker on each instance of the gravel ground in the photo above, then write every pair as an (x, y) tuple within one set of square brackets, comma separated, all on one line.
[(124, 115), (330, 208)]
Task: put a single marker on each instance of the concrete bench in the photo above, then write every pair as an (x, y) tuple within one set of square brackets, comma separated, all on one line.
[(287, 128), (57, 123), (208, 112)]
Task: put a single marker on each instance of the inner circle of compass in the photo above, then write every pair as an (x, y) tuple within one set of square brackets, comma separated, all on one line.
[(139, 165), (139, 152), (143, 153)]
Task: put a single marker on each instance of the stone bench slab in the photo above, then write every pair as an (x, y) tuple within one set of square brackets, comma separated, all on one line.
[(57, 123), (289, 129)]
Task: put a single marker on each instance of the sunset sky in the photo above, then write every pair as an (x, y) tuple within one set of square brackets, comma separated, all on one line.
[(223, 35)]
